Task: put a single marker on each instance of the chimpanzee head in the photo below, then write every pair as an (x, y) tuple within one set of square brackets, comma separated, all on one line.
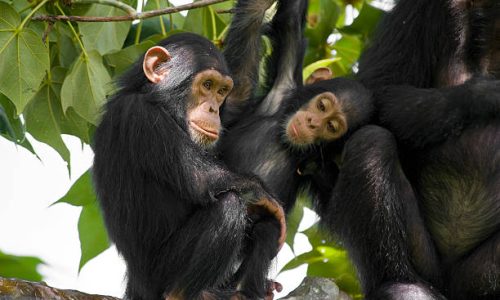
[(324, 110), (187, 76)]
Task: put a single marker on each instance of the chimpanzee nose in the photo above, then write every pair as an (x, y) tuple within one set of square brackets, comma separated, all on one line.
[(212, 109), (311, 122)]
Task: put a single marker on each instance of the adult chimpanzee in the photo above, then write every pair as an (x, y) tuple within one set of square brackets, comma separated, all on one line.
[(418, 205), (178, 216), (275, 134)]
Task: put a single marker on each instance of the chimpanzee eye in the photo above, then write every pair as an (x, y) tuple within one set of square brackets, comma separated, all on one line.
[(207, 84), (321, 105), (332, 126), (222, 91)]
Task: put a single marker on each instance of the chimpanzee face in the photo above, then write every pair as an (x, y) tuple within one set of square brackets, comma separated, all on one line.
[(208, 91), (321, 119)]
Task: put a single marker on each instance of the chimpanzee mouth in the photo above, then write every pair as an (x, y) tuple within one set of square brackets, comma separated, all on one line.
[(212, 134)]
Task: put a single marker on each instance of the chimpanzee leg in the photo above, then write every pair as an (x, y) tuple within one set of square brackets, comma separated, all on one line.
[(477, 276), (375, 213), (261, 247), (216, 249), (204, 249)]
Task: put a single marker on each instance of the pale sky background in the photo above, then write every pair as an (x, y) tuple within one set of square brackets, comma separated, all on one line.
[(30, 226)]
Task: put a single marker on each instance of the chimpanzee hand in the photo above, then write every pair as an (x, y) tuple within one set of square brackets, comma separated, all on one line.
[(268, 206)]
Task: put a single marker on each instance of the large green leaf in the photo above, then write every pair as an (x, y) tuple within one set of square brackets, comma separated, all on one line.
[(81, 193), (91, 229), (93, 235), (105, 37), (23, 267), (204, 21), (24, 59), (124, 58), (85, 86), (44, 115), (67, 50)]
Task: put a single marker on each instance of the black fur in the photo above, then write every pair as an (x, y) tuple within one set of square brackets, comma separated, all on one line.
[(175, 213), (255, 142), (417, 203)]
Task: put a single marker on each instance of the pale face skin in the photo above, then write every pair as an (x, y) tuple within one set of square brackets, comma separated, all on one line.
[(208, 91), (320, 120)]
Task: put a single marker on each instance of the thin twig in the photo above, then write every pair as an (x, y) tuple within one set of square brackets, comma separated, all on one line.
[(225, 11), (136, 16)]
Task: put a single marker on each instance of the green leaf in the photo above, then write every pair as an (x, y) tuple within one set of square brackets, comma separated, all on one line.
[(22, 267), (84, 88), (81, 193), (322, 16), (366, 22), (177, 18), (5, 126), (67, 51), (105, 37), (305, 258), (44, 115), (202, 21), (349, 49), (124, 58), (335, 264), (315, 236), (293, 221), (93, 235), (19, 52), (18, 135), (326, 63)]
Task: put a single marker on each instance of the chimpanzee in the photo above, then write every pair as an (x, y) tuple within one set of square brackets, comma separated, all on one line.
[(275, 134), (176, 214), (417, 203)]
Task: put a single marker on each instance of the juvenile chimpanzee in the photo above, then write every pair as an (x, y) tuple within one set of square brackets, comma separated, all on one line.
[(272, 135), (418, 204), (175, 213)]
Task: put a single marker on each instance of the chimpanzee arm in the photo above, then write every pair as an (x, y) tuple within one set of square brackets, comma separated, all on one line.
[(154, 145), (421, 117), (242, 49), (284, 66)]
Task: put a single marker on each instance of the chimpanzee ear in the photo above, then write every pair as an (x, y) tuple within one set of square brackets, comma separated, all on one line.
[(319, 74), (153, 59)]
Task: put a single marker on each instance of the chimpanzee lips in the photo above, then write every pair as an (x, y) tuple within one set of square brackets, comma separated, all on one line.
[(205, 130)]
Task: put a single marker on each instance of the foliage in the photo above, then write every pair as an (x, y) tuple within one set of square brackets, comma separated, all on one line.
[(54, 78), (19, 267)]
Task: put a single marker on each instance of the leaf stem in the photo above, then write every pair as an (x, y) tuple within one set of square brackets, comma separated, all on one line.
[(77, 36), (162, 25), (28, 17)]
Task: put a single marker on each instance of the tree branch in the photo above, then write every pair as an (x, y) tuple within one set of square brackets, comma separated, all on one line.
[(130, 17), (22, 289)]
